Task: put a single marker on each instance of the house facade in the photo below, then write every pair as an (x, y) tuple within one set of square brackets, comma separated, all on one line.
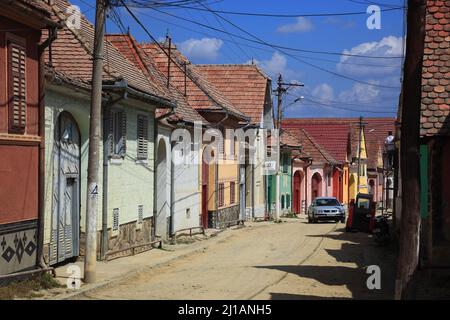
[(126, 177), (179, 170), (435, 140), (221, 179), (249, 89), (21, 132)]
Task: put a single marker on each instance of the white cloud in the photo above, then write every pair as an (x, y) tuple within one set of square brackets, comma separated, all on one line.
[(301, 25), (205, 48), (387, 47), (360, 93), (276, 65), (323, 92)]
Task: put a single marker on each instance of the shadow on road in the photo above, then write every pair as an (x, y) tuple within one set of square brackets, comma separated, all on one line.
[(346, 266)]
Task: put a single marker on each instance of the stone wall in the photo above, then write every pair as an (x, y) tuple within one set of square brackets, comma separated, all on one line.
[(223, 218), (128, 235)]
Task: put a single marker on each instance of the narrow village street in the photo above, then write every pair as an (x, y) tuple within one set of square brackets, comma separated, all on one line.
[(291, 260)]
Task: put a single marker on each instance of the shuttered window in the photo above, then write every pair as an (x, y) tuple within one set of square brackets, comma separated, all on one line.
[(17, 112), (142, 137), (221, 194), (116, 129)]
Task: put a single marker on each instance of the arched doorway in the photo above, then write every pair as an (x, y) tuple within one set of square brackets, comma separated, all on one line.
[(316, 186), (297, 205), (162, 201), (352, 188), (65, 224)]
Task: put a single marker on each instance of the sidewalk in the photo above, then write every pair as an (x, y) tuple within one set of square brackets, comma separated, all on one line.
[(126, 267)]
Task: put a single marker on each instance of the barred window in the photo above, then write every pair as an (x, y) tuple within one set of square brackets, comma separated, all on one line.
[(232, 192), (221, 194)]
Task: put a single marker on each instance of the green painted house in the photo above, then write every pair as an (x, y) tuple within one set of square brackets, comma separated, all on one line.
[(288, 145)]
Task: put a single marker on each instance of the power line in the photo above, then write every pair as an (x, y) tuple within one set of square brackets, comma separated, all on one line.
[(257, 14), (302, 61), (261, 42), (347, 109), (263, 48)]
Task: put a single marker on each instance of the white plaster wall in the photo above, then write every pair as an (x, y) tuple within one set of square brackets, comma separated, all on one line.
[(78, 106)]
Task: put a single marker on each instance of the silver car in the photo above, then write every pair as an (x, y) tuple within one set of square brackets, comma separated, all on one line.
[(326, 208)]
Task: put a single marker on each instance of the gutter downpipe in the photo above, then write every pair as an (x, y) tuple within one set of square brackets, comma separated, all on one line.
[(155, 160), (40, 261)]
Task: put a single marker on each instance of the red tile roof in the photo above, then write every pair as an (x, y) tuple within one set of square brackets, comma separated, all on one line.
[(72, 56), (333, 134), (310, 146), (246, 86), (132, 50), (435, 108), (200, 93)]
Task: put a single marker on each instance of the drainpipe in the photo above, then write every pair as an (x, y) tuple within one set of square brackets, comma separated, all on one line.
[(155, 154), (41, 160)]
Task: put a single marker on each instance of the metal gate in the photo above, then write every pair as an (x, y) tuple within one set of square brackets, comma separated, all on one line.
[(65, 232)]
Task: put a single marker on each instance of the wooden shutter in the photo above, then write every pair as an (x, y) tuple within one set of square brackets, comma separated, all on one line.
[(142, 137), (232, 192), (17, 87)]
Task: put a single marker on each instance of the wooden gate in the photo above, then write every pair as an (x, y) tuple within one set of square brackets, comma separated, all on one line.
[(65, 232)]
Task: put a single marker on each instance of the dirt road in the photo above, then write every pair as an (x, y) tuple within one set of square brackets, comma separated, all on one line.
[(291, 260)]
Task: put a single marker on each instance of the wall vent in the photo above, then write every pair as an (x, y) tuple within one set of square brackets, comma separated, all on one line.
[(115, 219), (140, 213)]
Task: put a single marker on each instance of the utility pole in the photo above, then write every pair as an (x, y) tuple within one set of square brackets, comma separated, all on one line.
[(281, 89), (409, 147), (94, 144)]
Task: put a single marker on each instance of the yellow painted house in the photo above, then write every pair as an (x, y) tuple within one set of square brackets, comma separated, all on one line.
[(358, 167)]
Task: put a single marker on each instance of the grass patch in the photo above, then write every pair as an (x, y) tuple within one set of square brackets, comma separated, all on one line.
[(27, 289)]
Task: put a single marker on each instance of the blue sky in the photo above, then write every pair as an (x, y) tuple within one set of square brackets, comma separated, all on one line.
[(325, 94)]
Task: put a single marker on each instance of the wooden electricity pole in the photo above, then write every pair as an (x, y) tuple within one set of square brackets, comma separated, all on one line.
[(410, 160), (94, 144)]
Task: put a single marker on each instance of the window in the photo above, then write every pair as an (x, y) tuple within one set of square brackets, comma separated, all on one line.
[(288, 201), (116, 133), (232, 192), (285, 163), (282, 202), (17, 109), (221, 194), (142, 137)]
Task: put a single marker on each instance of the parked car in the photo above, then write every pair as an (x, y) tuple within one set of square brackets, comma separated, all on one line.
[(326, 208)]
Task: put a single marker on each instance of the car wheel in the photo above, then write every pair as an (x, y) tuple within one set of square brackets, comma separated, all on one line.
[(343, 220)]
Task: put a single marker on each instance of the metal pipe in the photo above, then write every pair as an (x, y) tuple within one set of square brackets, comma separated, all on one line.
[(40, 261), (26, 273)]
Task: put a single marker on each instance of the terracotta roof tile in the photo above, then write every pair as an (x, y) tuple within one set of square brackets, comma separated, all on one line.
[(246, 86), (132, 50), (333, 135), (435, 108), (72, 52), (200, 93)]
